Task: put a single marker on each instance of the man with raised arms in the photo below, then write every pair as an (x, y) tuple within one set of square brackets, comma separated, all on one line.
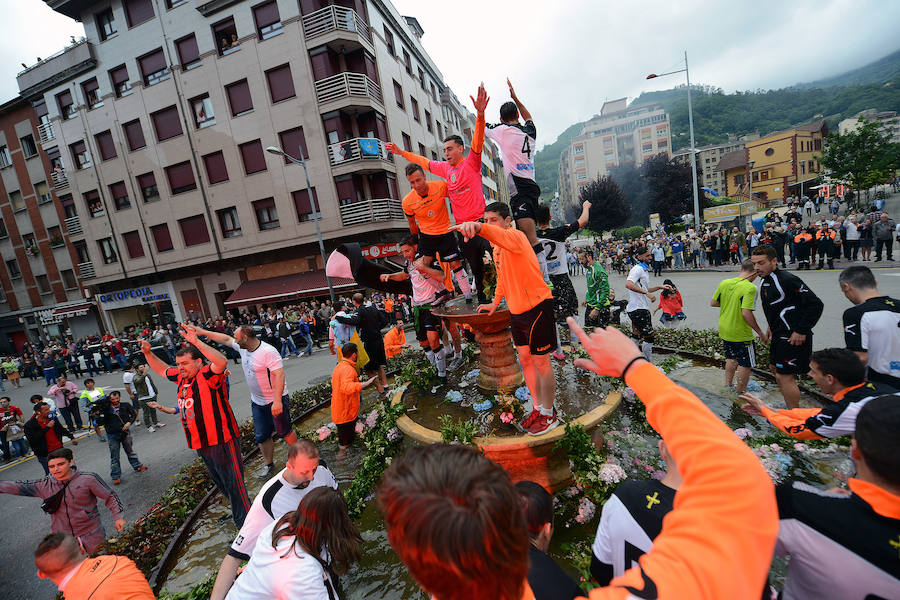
[(463, 175)]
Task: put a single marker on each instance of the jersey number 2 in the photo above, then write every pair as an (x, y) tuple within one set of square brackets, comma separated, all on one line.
[(526, 148)]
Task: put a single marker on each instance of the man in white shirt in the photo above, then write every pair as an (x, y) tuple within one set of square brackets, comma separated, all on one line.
[(269, 397), (280, 495), (128, 380), (640, 297)]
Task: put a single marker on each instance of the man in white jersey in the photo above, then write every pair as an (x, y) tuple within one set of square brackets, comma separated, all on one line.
[(517, 148), (269, 398), (640, 297), (427, 284), (278, 496)]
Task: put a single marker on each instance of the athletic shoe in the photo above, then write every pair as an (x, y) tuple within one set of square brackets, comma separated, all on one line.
[(141, 468), (101, 439), (559, 355), (151, 429), (117, 481), (530, 419), (468, 299), (266, 472), (441, 297), (456, 363), (543, 424)]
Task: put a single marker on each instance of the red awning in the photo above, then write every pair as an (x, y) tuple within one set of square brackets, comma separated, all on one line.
[(78, 310), (285, 287)]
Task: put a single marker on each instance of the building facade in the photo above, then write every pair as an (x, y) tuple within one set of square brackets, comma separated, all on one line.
[(618, 135), (708, 159), (159, 121), (888, 121)]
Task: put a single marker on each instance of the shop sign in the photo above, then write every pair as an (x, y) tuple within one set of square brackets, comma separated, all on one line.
[(132, 297), (49, 317), (381, 250)]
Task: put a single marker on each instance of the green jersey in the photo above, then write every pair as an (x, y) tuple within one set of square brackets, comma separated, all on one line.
[(734, 295), (597, 286)]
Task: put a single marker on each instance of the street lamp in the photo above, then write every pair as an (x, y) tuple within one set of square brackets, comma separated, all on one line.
[(317, 214), (750, 164), (802, 173), (691, 123)]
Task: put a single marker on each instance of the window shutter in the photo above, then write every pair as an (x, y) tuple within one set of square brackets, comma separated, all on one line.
[(166, 123), (216, 170), (133, 244), (161, 237), (118, 75), (281, 84), (181, 177), (194, 230), (266, 14), (239, 97), (105, 145), (253, 157), (302, 203), (152, 63), (188, 51), (292, 141), (134, 134), (138, 11)]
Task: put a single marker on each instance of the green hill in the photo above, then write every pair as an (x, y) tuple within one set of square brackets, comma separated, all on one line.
[(884, 69)]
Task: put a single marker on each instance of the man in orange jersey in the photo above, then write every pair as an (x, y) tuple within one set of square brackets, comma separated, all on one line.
[(346, 390), (425, 207), (395, 340), (447, 508), (530, 302)]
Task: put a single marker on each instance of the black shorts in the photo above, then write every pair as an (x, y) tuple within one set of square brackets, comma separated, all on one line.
[(425, 321), (602, 319), (535, 328), (377, 358), (565, 296), (642, 322), (524, 201), (788, 359), (742, 352), (346, 432), (443, 245)]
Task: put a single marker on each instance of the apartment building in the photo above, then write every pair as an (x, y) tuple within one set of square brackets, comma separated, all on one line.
[(40, 292), (618, 135), (708, 159), (888, 121), (158, 124)]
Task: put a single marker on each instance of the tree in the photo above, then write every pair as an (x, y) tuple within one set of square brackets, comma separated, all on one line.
[(609, 209), (864, 157), (670, 187), (635, 189)]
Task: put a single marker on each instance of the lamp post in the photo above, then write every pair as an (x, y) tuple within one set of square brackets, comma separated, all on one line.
[(802, 173), (691, 124), (317, 214), (750, 164)]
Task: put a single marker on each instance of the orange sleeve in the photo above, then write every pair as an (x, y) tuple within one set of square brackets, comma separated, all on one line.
[(502, 238), (718, 540), (415, 158), (793, 421), (478, 136)]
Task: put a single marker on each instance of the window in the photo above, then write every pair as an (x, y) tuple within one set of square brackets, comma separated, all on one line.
[(68, 279), (137, 11), (253, 157), (16, 201), (55, 235), (433, 93), (91, 91), (194, 230), (293, 142), (440, 130), (105, 145), (267, 21), (188, 52), (118, 77), (80, 156), (3, 232), (229, 222), (134, 135), (68, 205), (755, 176), (305, 210), (81, 251), (407, 62), (42, 191), (119, 193), (414, 106), (216, 172), (281, 84), (13, 267), (739, 179), (428, 122), (161, 237), (94, 203), (239, 97), (422, 79), (166, 123), (28, 147), (407, 142), (64, 102), (764, 175), (181, 178), (43, 284), (202, 108), (147, 185), (398, 94), (106, 24), (107, 251), (266, 215), (153, 67), (5, 158), (173, 3), (133, 244), (389, 41), (225, 34)]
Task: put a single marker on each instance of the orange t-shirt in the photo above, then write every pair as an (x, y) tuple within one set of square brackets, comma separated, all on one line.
[(108, 577), (393, 342), (430, 212), (519, 278)]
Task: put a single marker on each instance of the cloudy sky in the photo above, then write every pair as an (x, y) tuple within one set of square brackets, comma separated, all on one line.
[(566, 57)]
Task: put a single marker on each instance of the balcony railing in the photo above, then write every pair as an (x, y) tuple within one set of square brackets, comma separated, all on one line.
[(344, 85), (45, 131), (73, 225), (87, 270), (370, 211), (335, 18), (356, 149), (58, 176)]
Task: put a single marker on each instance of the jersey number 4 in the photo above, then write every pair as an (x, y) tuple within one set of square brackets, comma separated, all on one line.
[(526, 147)]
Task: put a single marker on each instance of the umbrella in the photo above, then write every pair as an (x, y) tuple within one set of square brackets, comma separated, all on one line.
[(710, 191)]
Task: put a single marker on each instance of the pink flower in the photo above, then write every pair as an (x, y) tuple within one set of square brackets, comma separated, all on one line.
[(507, 417), (359, 427), (586, 511), (323, 432), (800, 447), (372, 419), (743, 433)]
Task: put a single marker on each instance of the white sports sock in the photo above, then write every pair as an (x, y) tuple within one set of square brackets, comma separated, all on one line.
[(547, 412), (440, 359), (429, 354)]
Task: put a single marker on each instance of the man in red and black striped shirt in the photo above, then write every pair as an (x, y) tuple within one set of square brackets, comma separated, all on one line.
[(209, 424)]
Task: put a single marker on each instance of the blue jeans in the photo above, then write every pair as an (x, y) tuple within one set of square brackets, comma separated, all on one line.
[(226, 468), (123, 441), (679, 260), (123, 362), (19, 446), (50, 375), (91, 366), (309, 342), (287, 344), (44, 460)]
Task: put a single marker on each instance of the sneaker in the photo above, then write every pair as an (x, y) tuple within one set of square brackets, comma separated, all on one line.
[(441, 297), (469, 300), (151, 429), (456, 363), (101, 439), (543, 424), (141, 468), (266, 472), (559, 355), (530, 419), (117, 481)]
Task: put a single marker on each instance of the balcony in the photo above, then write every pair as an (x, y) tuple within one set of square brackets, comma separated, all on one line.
[(348, 90), (45, 132), (66, 64), (359, 155), (73, 225), (337, 26), (60, 181), (371, 211), (86, 269)]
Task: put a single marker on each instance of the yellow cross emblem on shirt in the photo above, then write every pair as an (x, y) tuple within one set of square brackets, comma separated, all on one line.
[(896, 544), (654, 499)]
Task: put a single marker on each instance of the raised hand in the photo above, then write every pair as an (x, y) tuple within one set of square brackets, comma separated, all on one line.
[(512, 92), (392, 147), (189, 333), (480, 103), (610, 349), (469, 229), (145, 346)]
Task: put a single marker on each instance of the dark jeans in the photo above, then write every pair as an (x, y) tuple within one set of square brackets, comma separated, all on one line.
[(44, 460), (71, 414), (50, 375), (658, 267), (889, 244), (474, 251), (226, 468), (116, 442), (851, 249), (91, 366)]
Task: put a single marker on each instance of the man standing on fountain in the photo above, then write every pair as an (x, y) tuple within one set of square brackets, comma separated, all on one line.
[(463, 175), (530, 303)]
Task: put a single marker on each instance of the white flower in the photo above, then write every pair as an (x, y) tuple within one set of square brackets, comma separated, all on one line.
[(611, 473), (586, 511), (743, 433)]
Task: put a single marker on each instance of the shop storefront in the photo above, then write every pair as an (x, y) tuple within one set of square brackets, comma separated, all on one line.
[(76, 320), (145, 304)]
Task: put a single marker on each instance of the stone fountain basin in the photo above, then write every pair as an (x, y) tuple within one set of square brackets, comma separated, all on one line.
[(525, 457)]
